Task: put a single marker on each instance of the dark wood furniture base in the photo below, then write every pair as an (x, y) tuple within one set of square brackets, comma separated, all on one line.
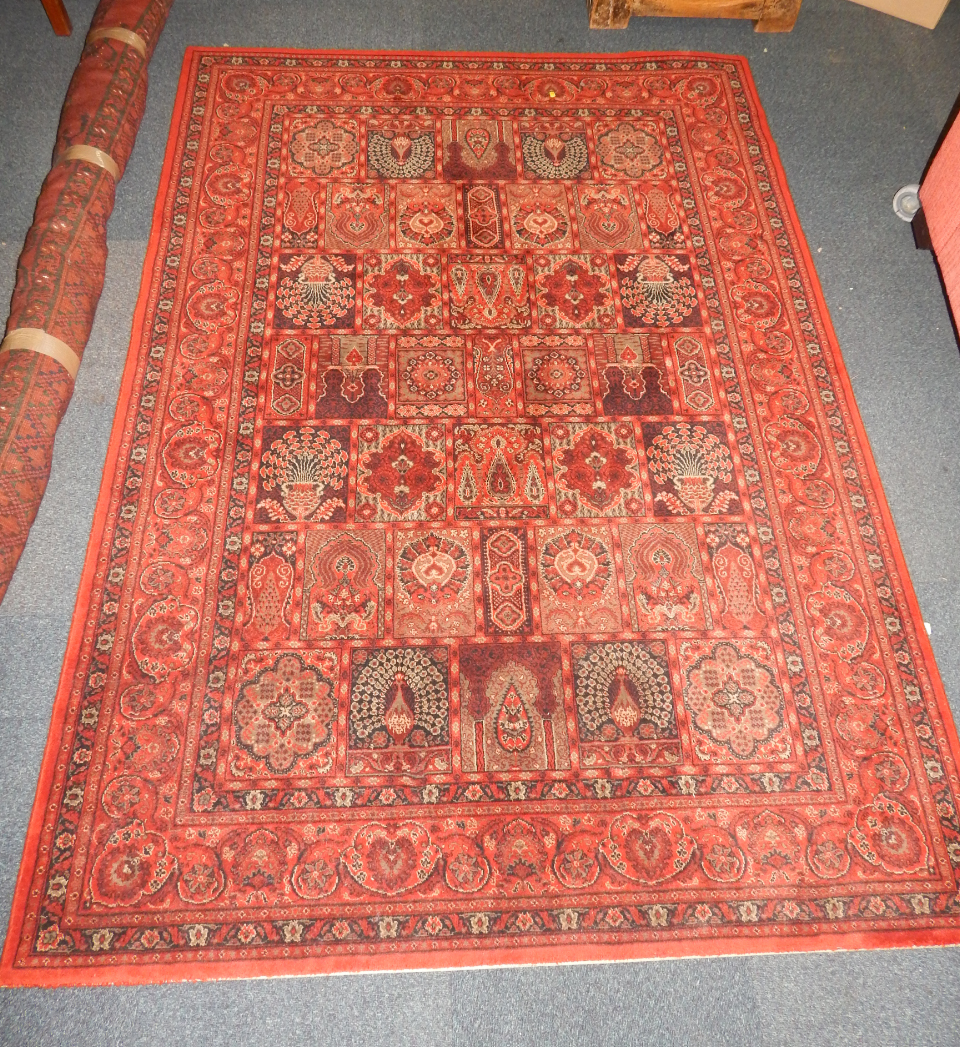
[(58, 16), (769, 16)]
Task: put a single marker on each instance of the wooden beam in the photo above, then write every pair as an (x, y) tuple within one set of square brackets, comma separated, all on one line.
[(58, 16), (769, 16)]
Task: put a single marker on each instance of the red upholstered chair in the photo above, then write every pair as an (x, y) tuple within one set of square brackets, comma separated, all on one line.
[(940, 198)]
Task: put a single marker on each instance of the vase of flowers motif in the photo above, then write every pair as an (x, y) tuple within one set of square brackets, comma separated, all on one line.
[(301, 491)]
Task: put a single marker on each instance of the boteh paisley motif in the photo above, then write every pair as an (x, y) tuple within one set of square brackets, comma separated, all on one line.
[(494, 375), (478, 149), (511, 709), (499, 472), (489, 568), (489, 291)]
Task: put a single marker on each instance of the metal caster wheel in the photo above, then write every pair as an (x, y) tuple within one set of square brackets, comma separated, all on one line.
[(906, 202)]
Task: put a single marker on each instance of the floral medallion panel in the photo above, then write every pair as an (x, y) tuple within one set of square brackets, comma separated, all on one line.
[(490, 567)]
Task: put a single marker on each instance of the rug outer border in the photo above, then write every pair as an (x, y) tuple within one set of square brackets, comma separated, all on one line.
[(481, 955)]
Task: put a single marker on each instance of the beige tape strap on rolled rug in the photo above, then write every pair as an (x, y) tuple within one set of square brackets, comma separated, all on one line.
[(38, 341), (91, 155), (125, 36)]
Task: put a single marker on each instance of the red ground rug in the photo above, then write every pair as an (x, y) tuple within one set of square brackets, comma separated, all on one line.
[(490, 566)]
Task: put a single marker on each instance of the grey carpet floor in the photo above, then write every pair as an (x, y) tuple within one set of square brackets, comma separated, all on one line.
[(855, 100)]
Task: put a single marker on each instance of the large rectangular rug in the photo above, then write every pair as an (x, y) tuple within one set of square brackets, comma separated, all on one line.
[(490, 566)]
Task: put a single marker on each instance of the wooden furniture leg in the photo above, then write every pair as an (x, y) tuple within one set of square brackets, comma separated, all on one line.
[(921, 234), (779, 16), (609, 14), (58, 16)]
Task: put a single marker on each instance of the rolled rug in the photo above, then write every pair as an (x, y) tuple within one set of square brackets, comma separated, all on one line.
[(61, 268)]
